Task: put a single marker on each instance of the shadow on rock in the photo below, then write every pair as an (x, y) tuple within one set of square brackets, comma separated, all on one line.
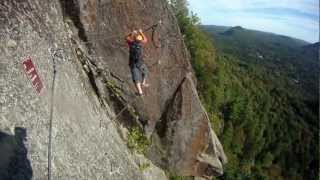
[(14, 164), (71, 9)]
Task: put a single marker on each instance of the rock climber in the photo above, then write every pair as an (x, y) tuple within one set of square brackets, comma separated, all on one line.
[(139, 70)]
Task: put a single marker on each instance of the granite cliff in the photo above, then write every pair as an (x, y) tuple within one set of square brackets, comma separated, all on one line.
[(80, 69)]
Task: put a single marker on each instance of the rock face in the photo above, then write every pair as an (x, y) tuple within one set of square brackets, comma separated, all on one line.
[(191, 147), (83, 41)]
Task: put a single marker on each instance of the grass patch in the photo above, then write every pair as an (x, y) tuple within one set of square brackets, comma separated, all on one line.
[(137, 141), (144, 166)]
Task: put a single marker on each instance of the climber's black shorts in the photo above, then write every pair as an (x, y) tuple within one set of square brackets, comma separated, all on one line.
[(138, 72)]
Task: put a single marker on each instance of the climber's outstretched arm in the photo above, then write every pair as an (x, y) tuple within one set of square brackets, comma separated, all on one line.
[(144, 38)]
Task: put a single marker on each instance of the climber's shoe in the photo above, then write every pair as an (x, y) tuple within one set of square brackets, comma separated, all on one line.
[(145, 85), (147, 131), (140, 94)]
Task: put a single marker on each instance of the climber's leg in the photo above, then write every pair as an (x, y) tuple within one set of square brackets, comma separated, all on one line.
[(145, 72), (144, 84), (138, 86), (136, 77)]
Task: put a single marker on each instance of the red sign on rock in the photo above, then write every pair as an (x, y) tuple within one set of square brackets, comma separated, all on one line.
[(32, 74)]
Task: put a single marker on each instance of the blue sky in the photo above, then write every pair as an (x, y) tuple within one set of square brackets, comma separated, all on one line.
[(295, 18)]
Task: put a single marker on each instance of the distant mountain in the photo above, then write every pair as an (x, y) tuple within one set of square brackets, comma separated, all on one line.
[(240, 33), (314, 46), (311, 49), (293, 58), (233, 30)]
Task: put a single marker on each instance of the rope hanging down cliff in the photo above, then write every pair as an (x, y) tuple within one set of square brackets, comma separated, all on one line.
[(154, 28), (53, 54)]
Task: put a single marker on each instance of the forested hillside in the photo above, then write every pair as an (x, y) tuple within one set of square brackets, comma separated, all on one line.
[(261, 91)]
